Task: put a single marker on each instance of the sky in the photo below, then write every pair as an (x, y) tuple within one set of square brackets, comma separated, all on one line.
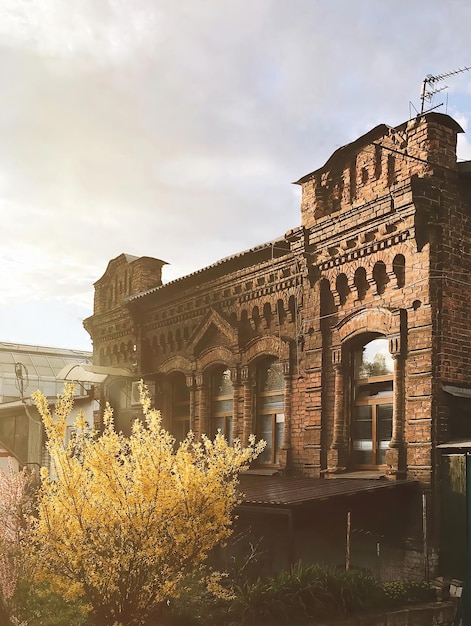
[(175, 129)]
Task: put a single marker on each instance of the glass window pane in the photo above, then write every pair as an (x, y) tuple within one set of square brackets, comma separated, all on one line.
[(181, 410), (374, 359), (181, 393), (382, 388), (362, 436), (222, 384), (224, 424), (219, 423), (272, 402), (384, 415), (266, 433), (222, 406), (363, 424), (362, 457), (270, 376)]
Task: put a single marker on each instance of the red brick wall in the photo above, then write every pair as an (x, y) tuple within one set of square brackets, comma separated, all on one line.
[(392, 196)]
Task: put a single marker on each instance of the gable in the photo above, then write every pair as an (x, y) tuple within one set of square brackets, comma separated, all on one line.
[(213, 331)]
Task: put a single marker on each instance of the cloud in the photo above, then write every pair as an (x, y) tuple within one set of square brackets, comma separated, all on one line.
[(175, 129), (107, 32)]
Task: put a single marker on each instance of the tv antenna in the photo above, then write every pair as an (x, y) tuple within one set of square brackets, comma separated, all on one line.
[(429, 89)]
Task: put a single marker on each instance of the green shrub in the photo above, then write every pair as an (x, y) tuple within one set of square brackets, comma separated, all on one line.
[(305, 592), (407, 592), (37, 605)]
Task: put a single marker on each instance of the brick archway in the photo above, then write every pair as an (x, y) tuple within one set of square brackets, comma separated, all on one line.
[(176, 364), (380, 320), (262, 346), (216, 356)]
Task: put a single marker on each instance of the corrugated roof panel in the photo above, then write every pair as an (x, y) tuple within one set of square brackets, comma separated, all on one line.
[(41, 366), (281, 490)]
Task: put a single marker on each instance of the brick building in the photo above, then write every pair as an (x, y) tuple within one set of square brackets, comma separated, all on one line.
[(345, 344)]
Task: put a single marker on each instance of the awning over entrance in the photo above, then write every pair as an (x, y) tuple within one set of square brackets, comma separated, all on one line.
[(92, 373), (285, 491)]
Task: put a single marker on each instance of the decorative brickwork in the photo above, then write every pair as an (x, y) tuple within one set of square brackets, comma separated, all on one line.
[(383, 251)]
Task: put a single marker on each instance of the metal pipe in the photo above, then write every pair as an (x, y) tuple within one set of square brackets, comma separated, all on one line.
[(425, 535)]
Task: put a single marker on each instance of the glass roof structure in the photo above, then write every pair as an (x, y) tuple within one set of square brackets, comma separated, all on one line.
[(26, 368)]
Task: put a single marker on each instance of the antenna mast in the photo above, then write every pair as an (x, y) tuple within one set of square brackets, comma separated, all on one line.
[(428, 90)]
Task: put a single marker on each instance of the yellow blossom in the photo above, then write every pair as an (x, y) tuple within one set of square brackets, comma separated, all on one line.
[(125, 519)]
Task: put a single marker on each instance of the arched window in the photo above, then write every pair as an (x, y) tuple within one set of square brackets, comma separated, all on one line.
[(292, 308), (222, 393), (245, 329), (270, 399), (399, 269), (281, 313), (380, 276), (178, 339), (256, 318), (361, 282), (372, 402), (267, 314), (180, 406), (341, 284)]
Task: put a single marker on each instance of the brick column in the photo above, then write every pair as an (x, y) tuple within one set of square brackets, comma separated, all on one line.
[(202, 405), (395, 454), (285, 448), (237, 418), (190, 383), (165, 403), (336, 456), (247, 404)]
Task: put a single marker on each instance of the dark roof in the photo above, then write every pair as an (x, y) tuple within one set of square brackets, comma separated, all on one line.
[(269, 246), (281, 490)]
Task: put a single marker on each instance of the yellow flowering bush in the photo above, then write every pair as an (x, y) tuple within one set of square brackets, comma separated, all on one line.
[(121, 521)]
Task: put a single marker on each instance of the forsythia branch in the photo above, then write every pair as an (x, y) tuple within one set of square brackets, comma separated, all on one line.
[(121, 521)]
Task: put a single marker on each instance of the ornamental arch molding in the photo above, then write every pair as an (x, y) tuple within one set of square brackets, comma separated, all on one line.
[(266, 346), (379, 320), (216, 356), (176, 363)]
